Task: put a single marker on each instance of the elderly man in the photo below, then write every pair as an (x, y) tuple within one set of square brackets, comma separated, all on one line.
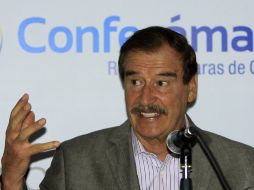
[(158, 70)]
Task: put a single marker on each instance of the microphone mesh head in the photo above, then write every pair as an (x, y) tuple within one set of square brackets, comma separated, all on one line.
[(170, 142)]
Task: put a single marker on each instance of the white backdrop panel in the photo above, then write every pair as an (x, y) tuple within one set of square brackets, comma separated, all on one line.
[(78, 90)]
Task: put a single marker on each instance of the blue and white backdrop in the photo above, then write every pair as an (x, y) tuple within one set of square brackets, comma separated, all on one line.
[(64, 54)]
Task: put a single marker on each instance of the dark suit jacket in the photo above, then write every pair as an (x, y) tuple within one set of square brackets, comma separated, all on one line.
[(104, 160)]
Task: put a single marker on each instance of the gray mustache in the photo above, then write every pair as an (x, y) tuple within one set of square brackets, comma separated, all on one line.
[(151, 108)]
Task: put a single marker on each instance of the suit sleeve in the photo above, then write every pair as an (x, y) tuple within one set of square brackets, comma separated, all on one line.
[(55, 175)]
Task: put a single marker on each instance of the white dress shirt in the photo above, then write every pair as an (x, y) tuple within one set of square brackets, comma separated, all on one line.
[(154, 174)]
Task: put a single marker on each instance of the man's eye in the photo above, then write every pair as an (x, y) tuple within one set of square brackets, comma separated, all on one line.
[(162, 83), (135, 82)]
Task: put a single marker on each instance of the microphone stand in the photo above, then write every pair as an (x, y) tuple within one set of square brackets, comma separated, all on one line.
[(186, 166)]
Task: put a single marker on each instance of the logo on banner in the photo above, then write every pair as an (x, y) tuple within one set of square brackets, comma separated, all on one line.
[(62, 39)]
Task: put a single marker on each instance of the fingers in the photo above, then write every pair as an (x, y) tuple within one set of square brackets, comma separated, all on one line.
[(43, 147), (28, 120), (22, 125), (21, 149), (22, 101), (31, 129), (19, 114), (28, 131), (17, 121)]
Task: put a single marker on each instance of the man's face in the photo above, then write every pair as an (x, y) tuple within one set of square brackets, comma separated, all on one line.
[(156, 98)]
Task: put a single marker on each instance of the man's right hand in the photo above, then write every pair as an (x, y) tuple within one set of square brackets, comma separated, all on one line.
[(18, 150)]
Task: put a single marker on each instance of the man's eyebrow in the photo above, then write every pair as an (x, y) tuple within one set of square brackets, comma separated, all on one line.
[(130, 72), (168, 74)]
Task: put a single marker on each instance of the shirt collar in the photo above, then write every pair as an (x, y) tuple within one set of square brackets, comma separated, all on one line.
[(138, 148)]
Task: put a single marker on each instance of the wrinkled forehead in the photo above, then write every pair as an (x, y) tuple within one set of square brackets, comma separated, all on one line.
[(164, 56)]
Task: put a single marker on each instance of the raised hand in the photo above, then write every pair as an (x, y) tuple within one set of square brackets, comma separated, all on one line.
[(18, 150)]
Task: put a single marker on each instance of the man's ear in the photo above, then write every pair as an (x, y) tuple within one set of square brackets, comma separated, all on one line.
[(193, 89)]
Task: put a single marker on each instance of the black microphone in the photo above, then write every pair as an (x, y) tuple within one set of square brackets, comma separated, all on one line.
[(179, 138), (187, 137)]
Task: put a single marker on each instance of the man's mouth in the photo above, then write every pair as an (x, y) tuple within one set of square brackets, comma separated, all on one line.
[(149, 115)]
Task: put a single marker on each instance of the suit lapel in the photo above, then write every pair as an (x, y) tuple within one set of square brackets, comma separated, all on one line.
[(201, 170), (121, 160)]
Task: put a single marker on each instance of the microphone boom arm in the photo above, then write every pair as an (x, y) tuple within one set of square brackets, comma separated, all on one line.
[(195, 132)]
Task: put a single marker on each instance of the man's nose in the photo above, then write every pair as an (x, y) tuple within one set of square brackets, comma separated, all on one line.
[(147, 95)]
